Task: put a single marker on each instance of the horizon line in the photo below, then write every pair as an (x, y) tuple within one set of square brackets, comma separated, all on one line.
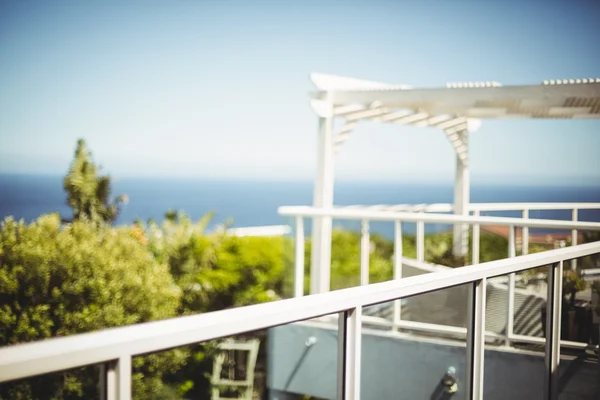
[(567, 181)]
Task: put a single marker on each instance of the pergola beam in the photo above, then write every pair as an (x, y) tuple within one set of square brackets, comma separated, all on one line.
[(505, 101), (457, 137), (373, 111), (343, 135), (348, 109), (450, 124)]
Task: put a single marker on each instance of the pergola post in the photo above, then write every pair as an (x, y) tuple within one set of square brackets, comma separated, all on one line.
[(322, 198), (462, 189)]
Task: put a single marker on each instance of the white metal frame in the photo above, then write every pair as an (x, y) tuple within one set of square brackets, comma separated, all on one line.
[(259, 231), (477, 208), (457, 110), (117, 346), (365, 215), (554, 305), (482, 207), (384, 215)]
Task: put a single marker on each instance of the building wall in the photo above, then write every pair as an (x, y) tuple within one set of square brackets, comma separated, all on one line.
[(403, 368)]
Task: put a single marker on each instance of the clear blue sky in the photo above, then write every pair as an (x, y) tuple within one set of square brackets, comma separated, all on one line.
[(220, 89)]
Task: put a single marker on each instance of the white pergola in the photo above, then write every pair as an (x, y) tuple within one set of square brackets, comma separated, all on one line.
[(456, 110)]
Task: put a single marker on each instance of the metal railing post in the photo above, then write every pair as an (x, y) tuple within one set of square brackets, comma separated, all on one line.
[(476, 340), (118, 379), (299, 261), (525, 235), (553, 322), (365, 249), (102, 381), (574, 217), (512, 252), (349, 354), (511, 287), (420, 240), (476, 234), (397, 269)]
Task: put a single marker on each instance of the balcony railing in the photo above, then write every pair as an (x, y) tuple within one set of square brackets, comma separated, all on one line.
[(114, 348), (477, 209), (483, 207), (419, 216)]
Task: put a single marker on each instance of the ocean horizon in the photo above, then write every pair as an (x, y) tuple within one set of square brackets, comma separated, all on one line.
[(252, 203)]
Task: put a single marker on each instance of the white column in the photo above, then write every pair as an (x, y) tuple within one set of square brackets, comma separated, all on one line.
[(462, 189), (322, 198)]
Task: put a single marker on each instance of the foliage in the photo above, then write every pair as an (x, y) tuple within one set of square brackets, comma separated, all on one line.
[(345, 255), (572, 283), (439, 250), (215, 272), (591, 236), (491, 247), (591, 261), (345, 260), (58, 281), (89, 194), (596, 289)]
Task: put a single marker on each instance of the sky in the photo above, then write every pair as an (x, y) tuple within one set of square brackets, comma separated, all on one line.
[(220, 89)]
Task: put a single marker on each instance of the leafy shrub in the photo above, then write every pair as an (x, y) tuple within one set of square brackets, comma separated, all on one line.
[(215, 272), (345, 259), (60, 280)]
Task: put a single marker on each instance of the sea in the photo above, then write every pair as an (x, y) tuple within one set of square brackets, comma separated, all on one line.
[(254, 203)]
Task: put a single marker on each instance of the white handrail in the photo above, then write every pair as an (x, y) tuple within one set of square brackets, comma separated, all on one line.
[(482, 207), (376, 215), (30, 359), (533, 206), (265, 230)]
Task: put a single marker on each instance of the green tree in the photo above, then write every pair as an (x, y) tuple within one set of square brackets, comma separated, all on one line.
[(592, 261), (88, 193), (345, 259), (59, 281), (215, 271)]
